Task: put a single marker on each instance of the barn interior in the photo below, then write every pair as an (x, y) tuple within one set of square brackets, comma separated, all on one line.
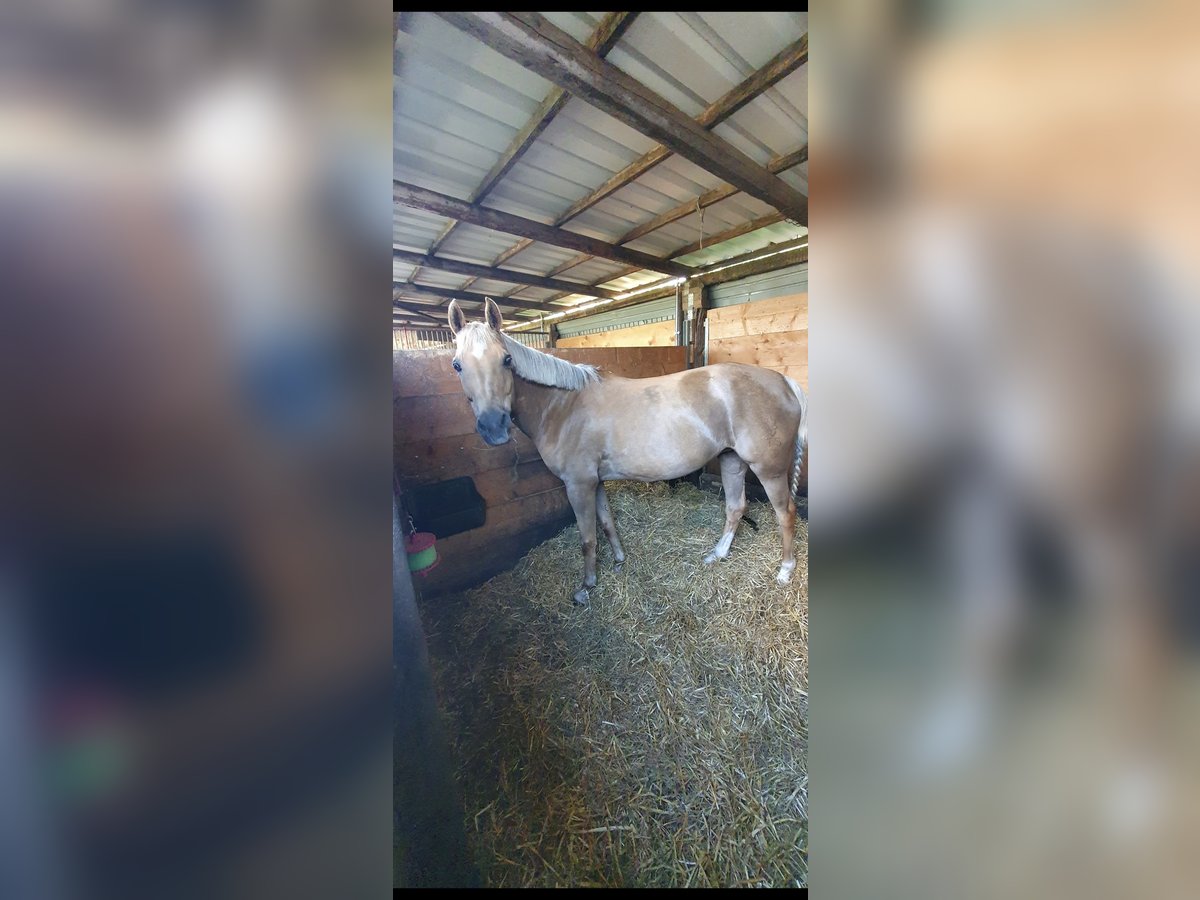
[(631, 189)]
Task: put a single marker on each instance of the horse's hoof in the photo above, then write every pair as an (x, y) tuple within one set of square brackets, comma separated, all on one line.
[(619, 566), (710, 558), (581, 597), (785, 574)]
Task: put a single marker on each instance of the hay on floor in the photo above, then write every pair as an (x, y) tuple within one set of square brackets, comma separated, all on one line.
[(655, 738)]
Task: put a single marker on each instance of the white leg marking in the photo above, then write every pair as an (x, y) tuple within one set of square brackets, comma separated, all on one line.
[(721, 550), (785, 572)]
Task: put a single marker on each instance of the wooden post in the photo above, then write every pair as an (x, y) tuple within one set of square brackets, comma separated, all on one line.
[(680, 335), (696, 305)]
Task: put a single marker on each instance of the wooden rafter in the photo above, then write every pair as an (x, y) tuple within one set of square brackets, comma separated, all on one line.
[(610, 30), (433, 313), (728, 234), (542, 47), (707, 199), (721, 236), (782, 64), (453, 208), (438, 294), (778, 164), (788, 253), (509, 275)]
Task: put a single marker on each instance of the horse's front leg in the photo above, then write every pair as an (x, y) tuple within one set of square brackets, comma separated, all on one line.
[(582, 495)]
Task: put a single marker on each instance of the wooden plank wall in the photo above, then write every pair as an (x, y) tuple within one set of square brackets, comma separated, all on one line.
[(656, 334), (770, 333), (629, 362), (434, 440)]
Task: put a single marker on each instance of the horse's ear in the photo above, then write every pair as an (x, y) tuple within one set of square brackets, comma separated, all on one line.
[(457, 320), (492, 314)]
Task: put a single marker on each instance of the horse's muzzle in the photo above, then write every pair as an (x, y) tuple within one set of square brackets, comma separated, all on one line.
[(493, 427)]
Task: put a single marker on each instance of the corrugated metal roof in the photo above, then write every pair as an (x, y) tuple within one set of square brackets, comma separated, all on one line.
[(627, 317), (458, 105), (790, 280), (478, 244), (755, 240)]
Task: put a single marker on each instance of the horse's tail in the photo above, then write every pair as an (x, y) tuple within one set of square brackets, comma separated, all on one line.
[(801, 438)]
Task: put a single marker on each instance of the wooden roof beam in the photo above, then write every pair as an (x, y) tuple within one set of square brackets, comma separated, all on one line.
[(778, 164), (438, 294), (784, 63), (428, 311), (453, 208), (787, 253), (477, 271), (542, 47), (712, 240), (610, 30), (705, 200), (781, 65), (728, 234)]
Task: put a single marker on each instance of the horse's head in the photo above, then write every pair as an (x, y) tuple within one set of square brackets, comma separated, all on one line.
[(484, 367)]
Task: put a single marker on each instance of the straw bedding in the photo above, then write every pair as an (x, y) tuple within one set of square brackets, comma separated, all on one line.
[(655, 738)]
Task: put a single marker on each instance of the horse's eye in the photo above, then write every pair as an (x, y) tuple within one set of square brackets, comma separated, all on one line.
[(457, 366), (508, 359)]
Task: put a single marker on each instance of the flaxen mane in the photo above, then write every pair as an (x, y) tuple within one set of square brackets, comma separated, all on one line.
[(530, 364)]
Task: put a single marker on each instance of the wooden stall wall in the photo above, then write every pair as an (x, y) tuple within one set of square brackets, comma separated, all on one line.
[(656, 334), (771, 333), (435, 440)]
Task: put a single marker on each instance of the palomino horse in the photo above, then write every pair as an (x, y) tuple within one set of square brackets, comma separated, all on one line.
[(590, 429)]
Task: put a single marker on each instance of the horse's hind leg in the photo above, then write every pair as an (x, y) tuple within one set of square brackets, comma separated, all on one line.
[(609, 525), (780, 495), (733, 479)]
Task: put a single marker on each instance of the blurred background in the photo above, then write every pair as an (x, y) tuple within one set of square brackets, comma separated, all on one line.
[(195, 677), (1005, 485), (195, 667)]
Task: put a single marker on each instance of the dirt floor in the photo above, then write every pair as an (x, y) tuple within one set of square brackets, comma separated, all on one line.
[(657, 737)]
